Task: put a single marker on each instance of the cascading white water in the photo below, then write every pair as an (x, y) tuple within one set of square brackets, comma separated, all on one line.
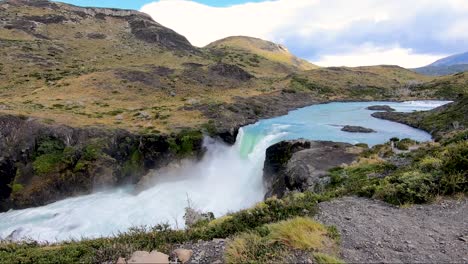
[(228, 178), (222, 181)]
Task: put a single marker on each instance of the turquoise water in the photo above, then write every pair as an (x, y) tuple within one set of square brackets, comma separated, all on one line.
[(227, 179), (325, 121)]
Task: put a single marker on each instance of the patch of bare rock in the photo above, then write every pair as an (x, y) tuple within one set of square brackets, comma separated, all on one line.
[(357, 129), (205, 251), (375, 232)]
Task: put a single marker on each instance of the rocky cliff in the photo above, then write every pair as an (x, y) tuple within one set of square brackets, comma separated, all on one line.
[(302, 165), (41, 163)]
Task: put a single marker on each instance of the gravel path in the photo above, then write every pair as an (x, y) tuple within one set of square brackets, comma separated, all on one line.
[(205, 251), (375, 232)]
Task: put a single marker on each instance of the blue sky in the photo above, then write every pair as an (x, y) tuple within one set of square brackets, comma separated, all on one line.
[(326, 32), (137, 4)]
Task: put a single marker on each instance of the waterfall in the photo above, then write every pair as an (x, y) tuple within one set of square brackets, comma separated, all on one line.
[(227, 179)]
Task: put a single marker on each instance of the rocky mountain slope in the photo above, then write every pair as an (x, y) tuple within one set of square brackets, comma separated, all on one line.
[(445, 66), (120, 69)]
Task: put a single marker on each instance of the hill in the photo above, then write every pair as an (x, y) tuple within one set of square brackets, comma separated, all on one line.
[(269, 50), (113, 68), (445, 66)]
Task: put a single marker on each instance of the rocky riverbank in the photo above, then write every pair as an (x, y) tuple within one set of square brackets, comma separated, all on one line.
[(438, 122)]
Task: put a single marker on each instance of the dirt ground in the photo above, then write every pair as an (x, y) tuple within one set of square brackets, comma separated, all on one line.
[(375, 232)]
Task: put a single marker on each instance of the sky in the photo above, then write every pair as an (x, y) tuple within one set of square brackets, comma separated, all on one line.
[(326, 32)]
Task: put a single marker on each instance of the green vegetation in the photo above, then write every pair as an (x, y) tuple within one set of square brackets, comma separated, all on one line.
[(52, 156), (404, 144), (301, 84), (433, 170), (185, 142), (16, 188), (49, 156), (134, 164), (47, 163)]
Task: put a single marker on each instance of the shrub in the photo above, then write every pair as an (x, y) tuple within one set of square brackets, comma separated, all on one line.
[(185, 142), (16, 188), (47, 163), (404, 144), (49, 146), (409, 187), (430, 163)]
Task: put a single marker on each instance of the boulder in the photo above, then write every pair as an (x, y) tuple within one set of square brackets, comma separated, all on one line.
[(385, 108), (357, 129), (183, 255), (302, 165), (121, 261), (152, 257)]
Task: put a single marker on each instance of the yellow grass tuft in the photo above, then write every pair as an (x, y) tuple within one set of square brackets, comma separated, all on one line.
[(299, 233)]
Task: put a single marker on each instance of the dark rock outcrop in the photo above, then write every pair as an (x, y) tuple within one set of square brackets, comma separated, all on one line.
[(231, 71), (386, 108), (302, 165), (42, 163), (357, 129)]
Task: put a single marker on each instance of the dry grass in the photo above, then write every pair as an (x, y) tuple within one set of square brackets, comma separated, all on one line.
[(300, 234)]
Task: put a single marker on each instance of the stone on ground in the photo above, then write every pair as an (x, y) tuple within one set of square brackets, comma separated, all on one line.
[(183, 255), (144, 257)]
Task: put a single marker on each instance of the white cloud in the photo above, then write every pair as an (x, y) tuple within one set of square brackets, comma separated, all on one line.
[(368, 56), (371, 31)]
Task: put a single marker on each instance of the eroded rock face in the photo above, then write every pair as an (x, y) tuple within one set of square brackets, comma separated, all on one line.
[(41, 163), (302, 165)]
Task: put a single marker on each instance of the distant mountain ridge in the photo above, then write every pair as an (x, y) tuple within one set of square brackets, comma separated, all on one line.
[(446, 66), (456, 59)]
